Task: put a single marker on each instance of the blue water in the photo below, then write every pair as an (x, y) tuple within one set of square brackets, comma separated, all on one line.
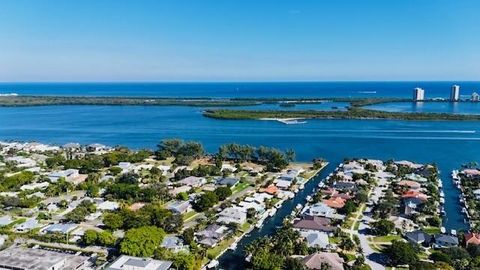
[(238, 90), (433, 107), (447, 143)]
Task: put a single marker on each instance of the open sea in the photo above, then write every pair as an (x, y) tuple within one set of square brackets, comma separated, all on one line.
[(446, 143)]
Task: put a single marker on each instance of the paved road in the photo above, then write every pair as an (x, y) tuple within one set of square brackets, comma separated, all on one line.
[(372, 257)]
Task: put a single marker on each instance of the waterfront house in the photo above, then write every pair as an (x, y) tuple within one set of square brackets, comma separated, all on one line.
[(316, 260), (472, 239), (414, 194), (471, 173), (409, 184), (283, 184), (227, 181), (193, 181), (135, 263), (316, 239), (232, 215), (271, 189), (409, 164), (96, 147), (445, 240), (125, 166), (335, 202), (320, 209), (173, 243), (418, 237), (345, 186), (416, 178), (314, 223), (179, 207), (211, 235), (476, 193)]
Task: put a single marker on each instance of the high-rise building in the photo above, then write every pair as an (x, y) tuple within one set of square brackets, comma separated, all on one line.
[(455, 93), (418, 94), (475, 97)]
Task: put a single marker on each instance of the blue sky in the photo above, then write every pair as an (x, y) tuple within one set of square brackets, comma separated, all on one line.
[(244, 40)]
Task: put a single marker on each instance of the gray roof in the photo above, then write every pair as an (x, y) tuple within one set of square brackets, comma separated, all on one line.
[(227, 181), (445, 238), (418, 237)]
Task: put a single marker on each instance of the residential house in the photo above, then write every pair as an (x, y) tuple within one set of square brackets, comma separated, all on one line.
[(193, 181), (418, 237), (335, 202), (135, 263), (232, 215), (472, 239), (345, 186), (173, 243), (316, 260), (5, 220), (314, 223), (316, 239), (476, 193), (445, 240), (227, 181), (320, 209), (415, 194), (21, 258), (28, 225), (409, 184), (211, 235), (179, 207), (63, 228)]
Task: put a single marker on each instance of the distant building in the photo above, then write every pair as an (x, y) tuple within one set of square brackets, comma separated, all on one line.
[(418, 94), (475, 97), (27, 259), (455, 93)]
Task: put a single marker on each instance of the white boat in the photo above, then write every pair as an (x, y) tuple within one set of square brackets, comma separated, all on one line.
[(442, 200), (442, 194), (453, 232), (212, 264), (272, 212), (443, 230), (298, 207), (309, 198)]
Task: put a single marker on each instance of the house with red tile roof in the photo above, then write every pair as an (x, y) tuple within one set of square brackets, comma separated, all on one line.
[(335, 202), (409, 184), (472, 239), (414, 194)]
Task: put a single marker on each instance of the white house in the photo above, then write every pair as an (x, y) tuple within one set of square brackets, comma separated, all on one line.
[(232, 215)]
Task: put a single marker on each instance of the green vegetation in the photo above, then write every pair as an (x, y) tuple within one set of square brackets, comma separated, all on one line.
[(142, 242)]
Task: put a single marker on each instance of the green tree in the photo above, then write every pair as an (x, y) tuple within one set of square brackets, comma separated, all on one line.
[(113, 221), (141, 242), (89, 237), (205, 201), (223, 192), (401, 253), (383, 227)]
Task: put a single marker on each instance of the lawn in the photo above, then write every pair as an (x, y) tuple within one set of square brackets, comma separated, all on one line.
[(215, 251), (189, 215), (386, 239), (431, 230), (240, 186)]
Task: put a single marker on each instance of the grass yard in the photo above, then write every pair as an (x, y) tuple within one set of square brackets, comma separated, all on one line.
[(384, 239), (240, 186)]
